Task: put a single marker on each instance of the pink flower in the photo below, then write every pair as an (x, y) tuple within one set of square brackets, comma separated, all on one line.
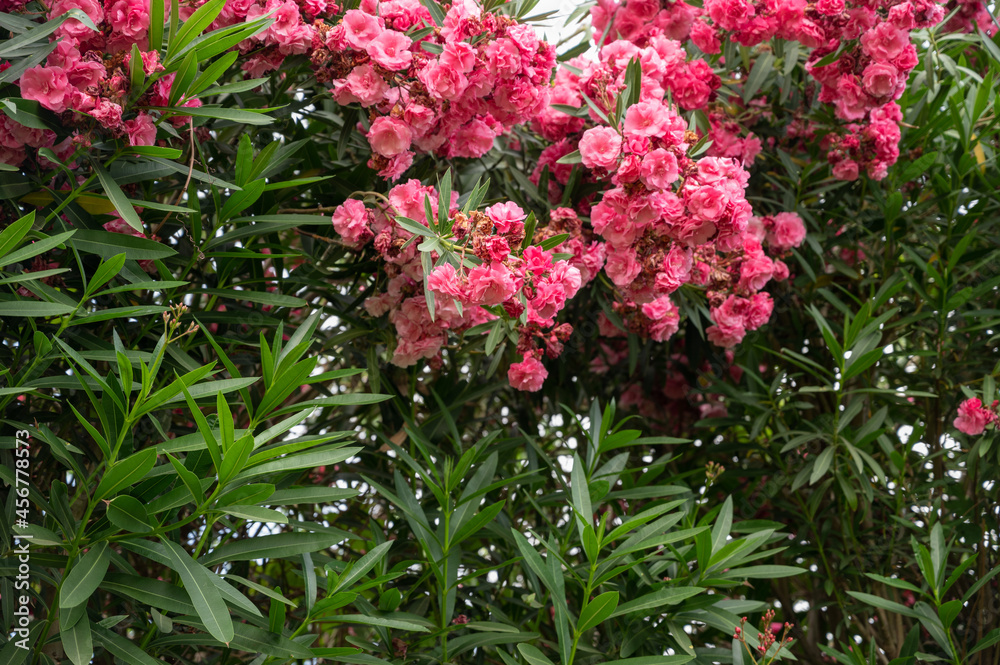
[(397, 166), (537, 260), (973, 417), (881, 79), (365, 85), (665, 318), (729, 14), (704, 37), (884, 42), (659, 169), (474, 139), (444, 280), (831, 7), (442, 81), (600, 147), (460, 56), (675, 270), (46, 85), (350, 220), (759, 311), (108, 114), (389, 136), (706, 203), (622, 267), (141, 130), (490, 284), (505, 216), (391, 49), (846, 169), (729, 319), (74, 28), (504, 58), (361, 28), (755, 272), (129, 17), (786, 232), (527, 375), (646, 119)]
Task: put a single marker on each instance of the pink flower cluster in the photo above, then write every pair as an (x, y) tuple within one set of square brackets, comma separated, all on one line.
[(973, 417), (449, 91), (639, 20), (670, 220), (86, 79), (491, 276), (861, 56)]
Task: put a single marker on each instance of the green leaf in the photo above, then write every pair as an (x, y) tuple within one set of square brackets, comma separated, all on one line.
[(761, 572), (277, 546), (476, 524), (918, 167), (183, 78), (189, 479), (128, 513), (656, 599), (108, 245), (939, 552), (126, 473), (236, 457), (105, 272), (533, 655), (597, 610), (121, 647), (380, 621), (118, 198), (822, 464), (361, 567), (570, 158), (33, 308), (194, 26), (257, 514), (207, 601), (84, 578), (77, 641), (876, 601), (308, 460), (761, 69), (35, 248), (154, 593), (991, 637), (13, 234), (723, 525), (242, 116), (11, 46)]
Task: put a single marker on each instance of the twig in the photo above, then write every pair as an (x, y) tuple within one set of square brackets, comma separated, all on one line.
[(186, 182)]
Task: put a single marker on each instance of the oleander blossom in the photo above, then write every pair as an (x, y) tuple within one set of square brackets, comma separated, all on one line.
[(449, 93), (973, 417), (490, 277)]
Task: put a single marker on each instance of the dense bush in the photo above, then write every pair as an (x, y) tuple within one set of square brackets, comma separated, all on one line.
[(390, 332)]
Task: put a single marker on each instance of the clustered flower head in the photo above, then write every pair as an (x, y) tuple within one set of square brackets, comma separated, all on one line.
[(671, 220), (447, 90), (860, 55), (496, 274), (85, 79), (973, 416)]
